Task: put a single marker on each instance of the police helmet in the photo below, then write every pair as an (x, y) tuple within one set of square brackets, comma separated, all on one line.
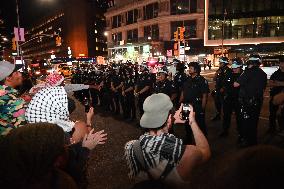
[(162, 71), (196, 66), (237, 63), (224, 60), (254, 59)]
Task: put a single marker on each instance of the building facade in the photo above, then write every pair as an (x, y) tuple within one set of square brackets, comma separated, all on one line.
[(245, 27), (80, 24), (142, 29)]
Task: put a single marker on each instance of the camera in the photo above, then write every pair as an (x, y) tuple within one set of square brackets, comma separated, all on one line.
[(185, 112), (87, 104)]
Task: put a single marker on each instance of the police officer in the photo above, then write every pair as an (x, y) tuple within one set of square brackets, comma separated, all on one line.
[(195, 91), (252, 84), (106, 90), (143, 87), (231, 97), (128, 95), (219, 86), (116, 86), (96, 79), (163, 85), (277, 85), (179, 79)]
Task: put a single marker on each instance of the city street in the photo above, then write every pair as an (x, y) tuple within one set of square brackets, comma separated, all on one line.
[(108, 169)]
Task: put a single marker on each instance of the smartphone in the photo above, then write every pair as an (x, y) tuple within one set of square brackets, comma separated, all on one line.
[(185, 112), (87, 105)]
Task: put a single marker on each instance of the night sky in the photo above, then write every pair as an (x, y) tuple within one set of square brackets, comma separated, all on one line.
[(30, 11)]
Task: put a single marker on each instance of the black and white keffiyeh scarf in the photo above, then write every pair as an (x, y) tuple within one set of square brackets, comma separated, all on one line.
[(155, 149), (50, 105)]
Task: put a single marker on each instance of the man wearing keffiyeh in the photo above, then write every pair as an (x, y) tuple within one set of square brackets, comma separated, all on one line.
[(160, 149)]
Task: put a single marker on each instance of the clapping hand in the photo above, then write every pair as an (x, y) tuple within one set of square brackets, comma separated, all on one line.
[(92, 139)]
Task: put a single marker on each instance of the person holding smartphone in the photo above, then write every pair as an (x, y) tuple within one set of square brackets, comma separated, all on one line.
[(165, 157), (195, 91)]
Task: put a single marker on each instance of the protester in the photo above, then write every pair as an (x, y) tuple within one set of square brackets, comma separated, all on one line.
[(165, 157), (12, 107), (51, 105), (35, 156)]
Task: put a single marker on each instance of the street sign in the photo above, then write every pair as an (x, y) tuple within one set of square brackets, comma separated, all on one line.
[(19, 34), (181, 50)]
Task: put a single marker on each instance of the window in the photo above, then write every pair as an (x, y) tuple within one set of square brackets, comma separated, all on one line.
[(132, 35), (131, 16), (151, 11), (116, 21), (151, 32), (116, 37), (97, 48), (96, 31)]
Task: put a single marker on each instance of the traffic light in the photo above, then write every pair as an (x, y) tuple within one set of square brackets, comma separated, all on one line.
[(14, 45), (58, 41), (176, 36), (182, 30)]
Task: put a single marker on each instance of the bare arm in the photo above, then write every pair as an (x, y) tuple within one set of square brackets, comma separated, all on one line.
[(194, 155), (273, 83), (119, 86), (278, 99), (204, 100), (146, 88), (181, 99)]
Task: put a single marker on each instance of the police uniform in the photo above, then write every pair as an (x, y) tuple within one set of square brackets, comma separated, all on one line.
[(96, 79), (252, 85), (231, 102), (163, 87), (144, 80), (116, 95), (179, 79), (276, 76), (193, 90), (219, 95), (107, 98), (129, 99)]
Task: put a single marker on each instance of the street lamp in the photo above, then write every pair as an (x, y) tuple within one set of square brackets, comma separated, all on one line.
[(106, 33)]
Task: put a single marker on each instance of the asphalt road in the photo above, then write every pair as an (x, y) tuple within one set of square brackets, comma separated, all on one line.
[(107, 167)]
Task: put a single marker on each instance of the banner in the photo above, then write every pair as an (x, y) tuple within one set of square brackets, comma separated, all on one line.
[(19, 34)]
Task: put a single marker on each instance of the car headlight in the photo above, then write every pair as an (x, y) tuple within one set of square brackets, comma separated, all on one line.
[(37, 72)]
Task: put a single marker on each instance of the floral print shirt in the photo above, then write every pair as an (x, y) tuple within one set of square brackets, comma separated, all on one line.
[(12, 110)]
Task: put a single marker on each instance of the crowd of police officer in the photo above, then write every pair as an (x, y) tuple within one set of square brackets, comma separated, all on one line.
[(236, 90)]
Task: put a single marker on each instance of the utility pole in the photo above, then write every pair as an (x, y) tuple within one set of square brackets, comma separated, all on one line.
[(19, 50), (223, 28)]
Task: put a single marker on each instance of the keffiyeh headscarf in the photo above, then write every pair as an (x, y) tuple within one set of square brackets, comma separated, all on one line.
[(50, 105), (52, 80), (155, 149)]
